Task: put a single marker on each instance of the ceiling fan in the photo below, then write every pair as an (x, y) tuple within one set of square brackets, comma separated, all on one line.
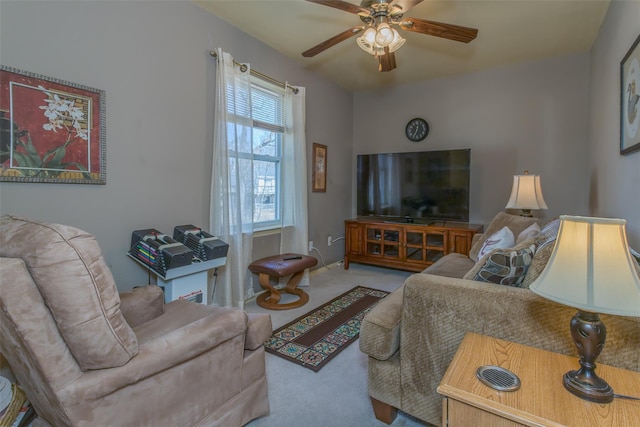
[(379, 38)]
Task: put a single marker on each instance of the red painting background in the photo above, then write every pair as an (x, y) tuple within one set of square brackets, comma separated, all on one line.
[(28, 116)]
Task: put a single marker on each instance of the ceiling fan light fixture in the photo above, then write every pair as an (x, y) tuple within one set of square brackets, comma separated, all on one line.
[(397, 42), (379, 38), (378, 51), (370, 35), (374, 50), (384, 34), (367, 41), (364, 45)]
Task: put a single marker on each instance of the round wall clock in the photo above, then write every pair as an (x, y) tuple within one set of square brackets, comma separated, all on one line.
[(417, 129)]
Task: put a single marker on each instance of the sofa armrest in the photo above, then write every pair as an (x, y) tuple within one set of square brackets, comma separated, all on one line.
[(259, 329), (439, 311), (451, 265), (380, 328), (142, 304)]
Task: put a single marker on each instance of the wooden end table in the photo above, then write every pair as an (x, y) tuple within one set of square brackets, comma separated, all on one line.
[(541, 399)]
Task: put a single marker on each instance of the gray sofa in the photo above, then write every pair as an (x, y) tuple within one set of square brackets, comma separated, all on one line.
[(411, 336)]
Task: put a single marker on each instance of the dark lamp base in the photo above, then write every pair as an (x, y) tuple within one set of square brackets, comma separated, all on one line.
[(591, 388), (589, 335)]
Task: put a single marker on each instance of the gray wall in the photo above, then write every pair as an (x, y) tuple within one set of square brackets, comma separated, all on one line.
[(531, 116), (614, 180), (152, 59)]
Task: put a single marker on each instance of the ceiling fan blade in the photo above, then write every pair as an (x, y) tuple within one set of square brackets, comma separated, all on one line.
[(386, 62), (332, 41), (343, 5), (402, 6), (438, 29)]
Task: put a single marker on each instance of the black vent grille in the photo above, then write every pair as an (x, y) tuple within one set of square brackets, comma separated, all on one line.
[(498, 378)]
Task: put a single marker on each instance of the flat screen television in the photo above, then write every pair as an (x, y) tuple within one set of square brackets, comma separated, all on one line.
[(415, 187)]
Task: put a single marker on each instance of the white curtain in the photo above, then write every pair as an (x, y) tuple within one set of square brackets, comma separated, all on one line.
[(295, 232), (232, 183), (231, 210)]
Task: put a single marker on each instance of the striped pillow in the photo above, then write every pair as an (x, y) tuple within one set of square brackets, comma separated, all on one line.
[(549, 232), (636, 256)]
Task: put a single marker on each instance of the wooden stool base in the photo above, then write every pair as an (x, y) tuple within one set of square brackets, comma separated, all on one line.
[(271, 298), (265, 300)]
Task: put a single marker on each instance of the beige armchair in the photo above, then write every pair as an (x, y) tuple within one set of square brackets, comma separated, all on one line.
[(86, 355)]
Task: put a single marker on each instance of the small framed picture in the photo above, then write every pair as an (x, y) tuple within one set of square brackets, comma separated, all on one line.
[(319, 165), (629, 100)]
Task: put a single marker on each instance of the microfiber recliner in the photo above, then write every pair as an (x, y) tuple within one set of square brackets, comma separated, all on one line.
[(86, 355)]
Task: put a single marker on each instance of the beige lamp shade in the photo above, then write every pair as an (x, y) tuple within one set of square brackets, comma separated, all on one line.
[(526, 193), (591, 268)]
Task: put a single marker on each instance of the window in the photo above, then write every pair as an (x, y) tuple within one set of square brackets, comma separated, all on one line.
[(257, 142)]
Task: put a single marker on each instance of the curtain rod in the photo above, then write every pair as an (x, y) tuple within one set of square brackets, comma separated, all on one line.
[(243, 67)]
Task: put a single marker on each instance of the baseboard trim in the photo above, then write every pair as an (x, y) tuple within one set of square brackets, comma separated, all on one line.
[(326, 268)]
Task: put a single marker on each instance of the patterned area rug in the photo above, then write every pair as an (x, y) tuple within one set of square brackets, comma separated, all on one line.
[(315, 338)]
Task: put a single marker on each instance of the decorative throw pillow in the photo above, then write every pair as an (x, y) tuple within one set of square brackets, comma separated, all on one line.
[(505, 266), (636, 256), (502, 238), (516, 224), (528, 233), (540, 260), (550, 232)]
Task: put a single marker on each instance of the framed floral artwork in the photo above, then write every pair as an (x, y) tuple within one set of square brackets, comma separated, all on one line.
[(50, 130), (630, 100), (319, 165)]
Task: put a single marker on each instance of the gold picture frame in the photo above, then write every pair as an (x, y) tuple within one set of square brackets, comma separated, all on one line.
[(319, 168)]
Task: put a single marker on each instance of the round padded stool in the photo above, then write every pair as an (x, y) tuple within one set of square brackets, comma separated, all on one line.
[(284, 265)]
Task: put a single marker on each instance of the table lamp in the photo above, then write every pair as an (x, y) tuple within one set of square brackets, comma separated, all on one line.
[(590, 269), (526, 194)]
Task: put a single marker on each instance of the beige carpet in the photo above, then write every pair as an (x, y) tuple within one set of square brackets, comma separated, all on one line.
[(337, 395)]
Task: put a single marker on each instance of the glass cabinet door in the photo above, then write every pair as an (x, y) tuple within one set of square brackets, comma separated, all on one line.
[(383, 242), (436, 244), (415, 247), (374, 241), (424, 246)]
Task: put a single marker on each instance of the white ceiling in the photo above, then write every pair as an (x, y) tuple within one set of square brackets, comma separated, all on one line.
[(509, 31)]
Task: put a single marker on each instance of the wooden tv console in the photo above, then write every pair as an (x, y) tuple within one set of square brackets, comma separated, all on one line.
[(405, 245)]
